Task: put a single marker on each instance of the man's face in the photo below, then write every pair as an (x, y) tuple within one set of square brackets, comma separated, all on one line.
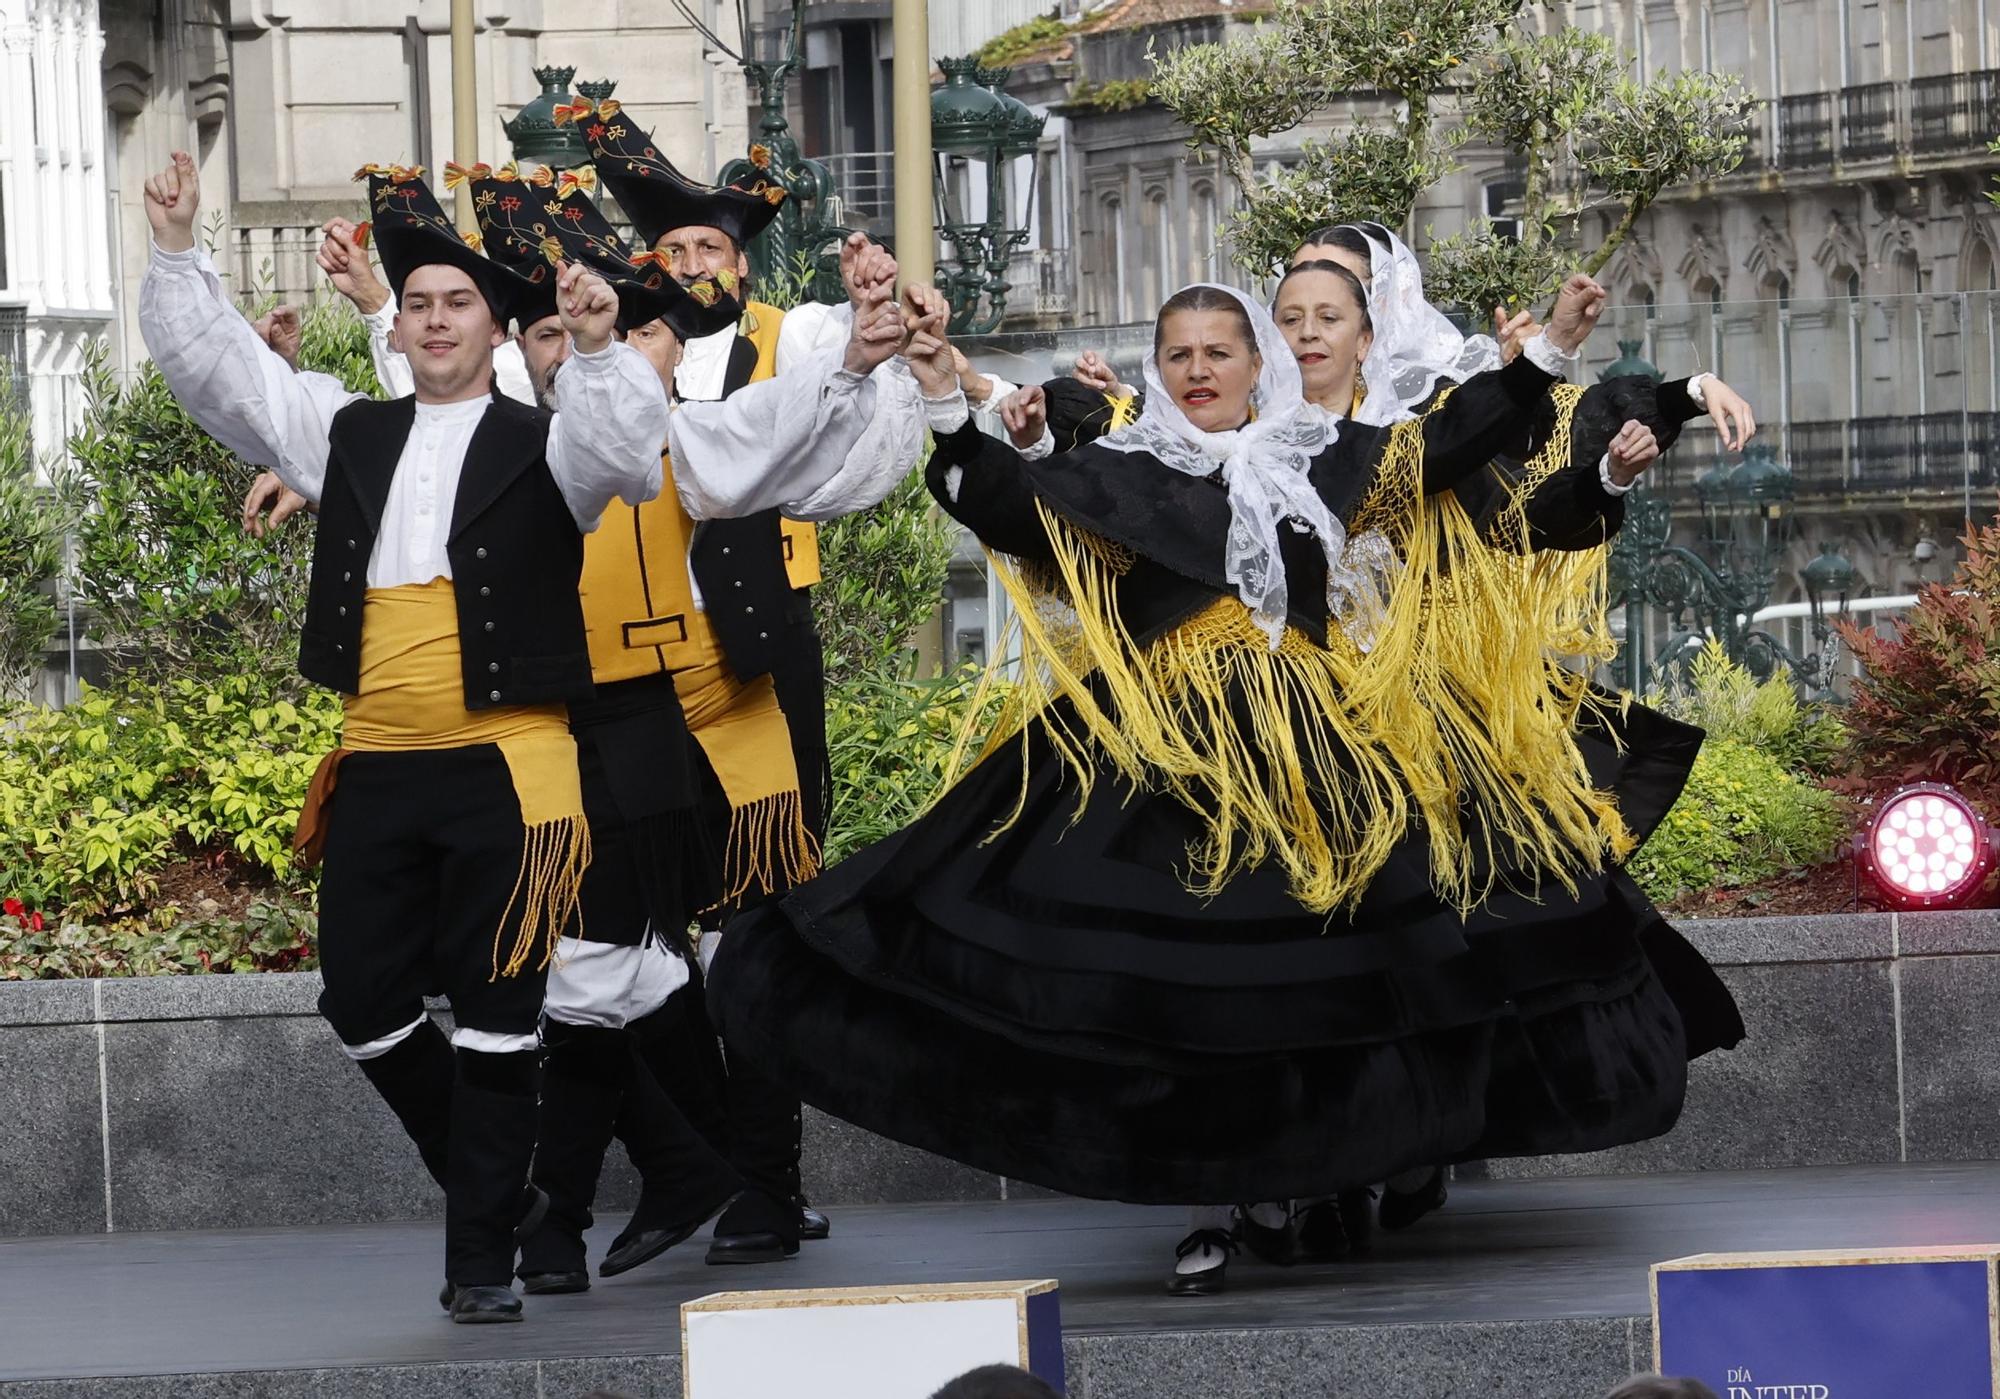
[(544, 345), (699, 251), (661, 347), (446, 329)]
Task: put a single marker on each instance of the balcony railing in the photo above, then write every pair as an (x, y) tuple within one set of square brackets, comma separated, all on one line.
[(14, 357), (866, 184), (1805, 130), (1956, 113), (1040, 282), (1942, 453)]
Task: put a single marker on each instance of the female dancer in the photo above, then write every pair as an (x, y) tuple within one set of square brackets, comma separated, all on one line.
[(1287, 873)]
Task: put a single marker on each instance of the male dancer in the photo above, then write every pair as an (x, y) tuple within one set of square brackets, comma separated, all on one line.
[(702, 230), (651, 846), (442, 605)]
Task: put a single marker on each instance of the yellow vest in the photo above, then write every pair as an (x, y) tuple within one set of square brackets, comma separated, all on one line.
[(638, 601), (760, 327)]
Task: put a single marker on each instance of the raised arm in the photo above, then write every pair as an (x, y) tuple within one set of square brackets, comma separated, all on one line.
[(220, 371), (1483, 415), (611, 409), (794, 442)]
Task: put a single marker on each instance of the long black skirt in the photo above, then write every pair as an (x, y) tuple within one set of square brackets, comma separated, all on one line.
[(1049, 1002)]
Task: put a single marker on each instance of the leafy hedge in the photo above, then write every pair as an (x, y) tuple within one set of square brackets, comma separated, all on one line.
[(97, 799), (1753, 806)]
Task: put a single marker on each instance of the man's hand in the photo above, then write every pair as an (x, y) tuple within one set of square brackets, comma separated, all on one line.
[(925, 314), (877, 336), (173, 197), (346, 265), (1513, 332), (867, 270), (279, 328), (1632, 451), (1578, 306), (1094, 371), (1731, 413), (1025, 415), (587, 307), (267, 492)]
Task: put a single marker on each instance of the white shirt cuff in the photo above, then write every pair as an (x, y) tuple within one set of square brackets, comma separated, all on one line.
[(187, 257), (1548, 357), (1611, 487), (1697, 392), (1045, 446), (948, 414)]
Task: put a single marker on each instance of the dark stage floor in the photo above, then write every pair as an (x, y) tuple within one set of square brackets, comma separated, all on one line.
[(272, 1299)]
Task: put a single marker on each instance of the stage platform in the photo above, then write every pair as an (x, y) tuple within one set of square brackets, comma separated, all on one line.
[(1527, 1288)]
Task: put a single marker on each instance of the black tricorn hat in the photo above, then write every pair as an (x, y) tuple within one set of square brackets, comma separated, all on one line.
[(409, 230), (530, 222), (658, 197)]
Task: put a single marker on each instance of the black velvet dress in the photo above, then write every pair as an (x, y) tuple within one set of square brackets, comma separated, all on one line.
[(1045, 998)]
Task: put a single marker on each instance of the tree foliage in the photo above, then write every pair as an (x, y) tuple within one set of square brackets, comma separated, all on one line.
[(1587, 135)]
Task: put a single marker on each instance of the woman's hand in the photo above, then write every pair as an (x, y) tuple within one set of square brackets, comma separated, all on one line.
[(1025, 415)]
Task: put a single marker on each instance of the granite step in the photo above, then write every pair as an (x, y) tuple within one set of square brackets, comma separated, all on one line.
[(218, 1101)]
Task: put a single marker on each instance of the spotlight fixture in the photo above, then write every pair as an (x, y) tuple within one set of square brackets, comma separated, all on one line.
[(1927, 847)]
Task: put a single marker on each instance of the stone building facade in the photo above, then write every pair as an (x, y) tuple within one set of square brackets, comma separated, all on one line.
[(280, 101)]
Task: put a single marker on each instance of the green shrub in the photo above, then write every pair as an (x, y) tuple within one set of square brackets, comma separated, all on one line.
[(31, 547), (98, 798), (885, 572), (275, 935), (1726, 701), (1742, 818), (889, 743), (171, 584)]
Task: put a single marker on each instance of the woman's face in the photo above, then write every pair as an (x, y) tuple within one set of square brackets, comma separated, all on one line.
[(1209, 367), (1325, 326), (1332, 252)]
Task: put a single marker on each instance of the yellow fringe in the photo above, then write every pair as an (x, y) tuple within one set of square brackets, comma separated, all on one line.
[(770, 848), (1458, 717), (554, 855)]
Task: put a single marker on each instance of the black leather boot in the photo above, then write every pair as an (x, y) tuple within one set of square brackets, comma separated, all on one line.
[(585, 1070), (684, 1181), (763, 1225), (488, 1199), (415, 1080)]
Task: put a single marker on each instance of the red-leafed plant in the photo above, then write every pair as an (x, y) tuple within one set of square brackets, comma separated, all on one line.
[(1927, 705)]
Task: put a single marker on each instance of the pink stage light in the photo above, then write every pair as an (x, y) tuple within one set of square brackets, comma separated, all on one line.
[(1927, 847)]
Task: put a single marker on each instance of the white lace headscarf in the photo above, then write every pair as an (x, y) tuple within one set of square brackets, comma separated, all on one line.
[(1265, 466), (1415, 343)]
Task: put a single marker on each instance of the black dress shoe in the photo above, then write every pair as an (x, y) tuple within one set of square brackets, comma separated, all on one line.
[(758, 1227), (813, 1224), (1332, 1229), (474, 1306), (628, 1253), (1208, 1281), (554, 1284), (756, 1247), (1400, 1210), (1279, 1245)]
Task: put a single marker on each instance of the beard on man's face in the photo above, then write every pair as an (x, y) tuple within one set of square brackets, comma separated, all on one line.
[(545, 388)]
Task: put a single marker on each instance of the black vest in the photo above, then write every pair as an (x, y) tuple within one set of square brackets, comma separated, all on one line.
[(739, 565), (514, 549)]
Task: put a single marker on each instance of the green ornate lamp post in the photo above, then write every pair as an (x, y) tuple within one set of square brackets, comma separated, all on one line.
[(1719, 587), (533, 132), (972, 117), (803, 242)]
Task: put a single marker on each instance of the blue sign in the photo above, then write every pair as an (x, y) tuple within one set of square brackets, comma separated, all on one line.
[(1830, 1331)]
